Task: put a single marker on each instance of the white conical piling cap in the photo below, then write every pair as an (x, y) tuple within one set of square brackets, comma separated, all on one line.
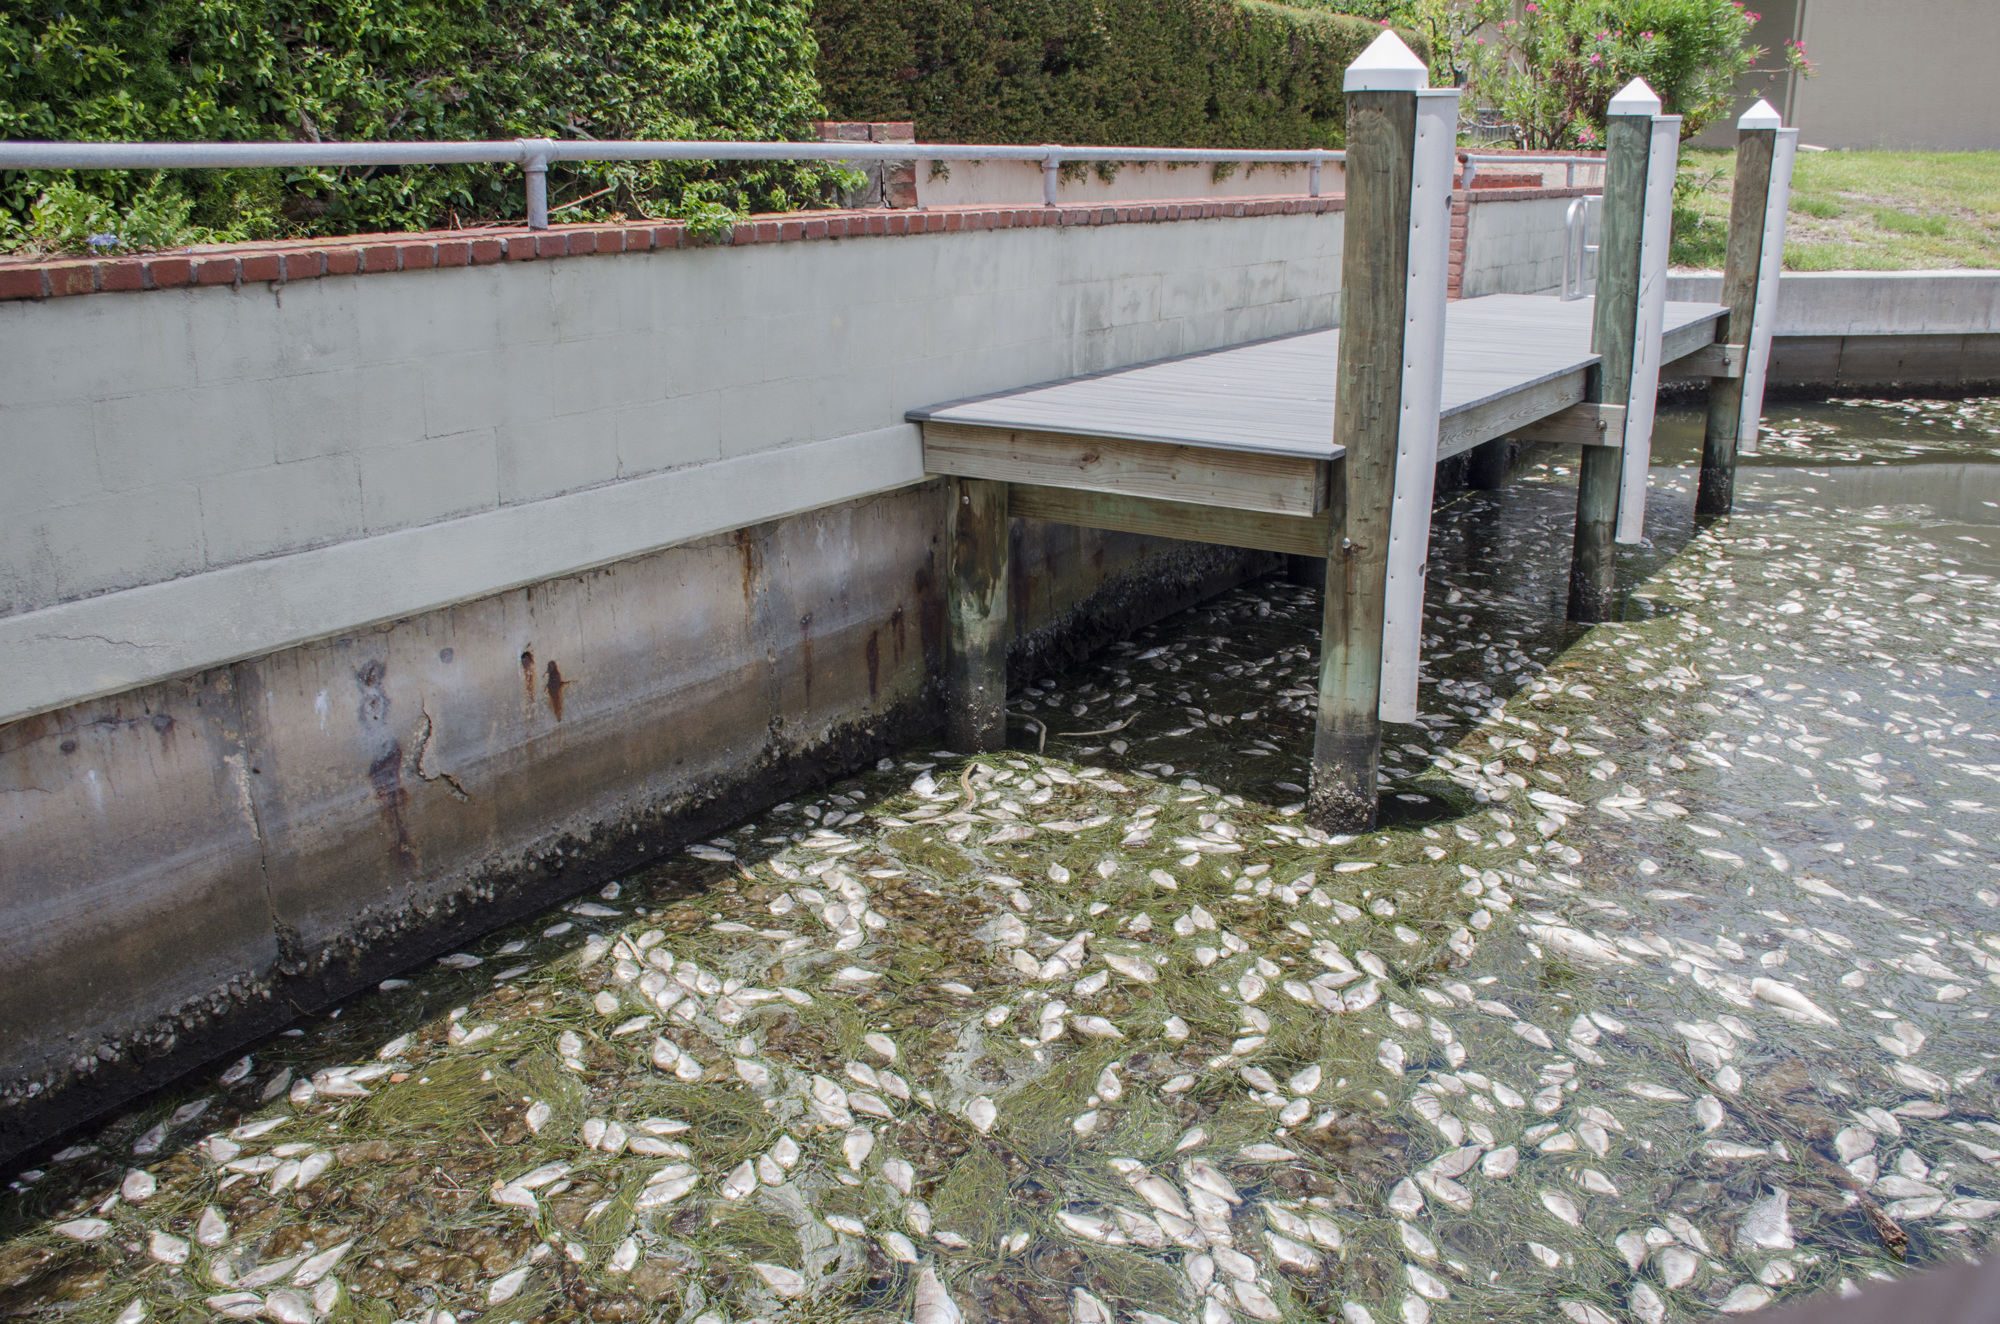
[(1386, 66), (1761, 116), (1635, 98)]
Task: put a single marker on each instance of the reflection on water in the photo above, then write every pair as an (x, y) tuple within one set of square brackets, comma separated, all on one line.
[(1665, 991)]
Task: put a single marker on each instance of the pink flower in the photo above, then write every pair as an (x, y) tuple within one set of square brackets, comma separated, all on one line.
[(1533, 8)]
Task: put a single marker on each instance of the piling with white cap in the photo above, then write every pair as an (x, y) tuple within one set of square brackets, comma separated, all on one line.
[(1750, 269), (1401, 137)]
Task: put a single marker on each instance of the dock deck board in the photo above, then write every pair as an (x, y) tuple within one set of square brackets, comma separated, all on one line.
[(1275, 397)]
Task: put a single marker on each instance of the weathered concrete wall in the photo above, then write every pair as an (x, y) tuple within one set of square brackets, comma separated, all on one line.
[(213, 473), (189, 862), (1870, 303), (1878, 329), (1015, 183), (1514, 246)]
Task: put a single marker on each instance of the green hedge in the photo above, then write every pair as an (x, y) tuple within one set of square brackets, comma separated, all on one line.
[(1193, 73), (300, 70)]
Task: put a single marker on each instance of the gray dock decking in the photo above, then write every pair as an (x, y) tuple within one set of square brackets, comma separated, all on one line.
[(1276, 397)]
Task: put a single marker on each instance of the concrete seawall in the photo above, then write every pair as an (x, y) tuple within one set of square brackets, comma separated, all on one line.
[(1909, 330), (367, 613), (190, 863)]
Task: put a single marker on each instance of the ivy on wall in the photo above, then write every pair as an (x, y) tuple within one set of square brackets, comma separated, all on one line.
[(353, 70), (1176, 73)]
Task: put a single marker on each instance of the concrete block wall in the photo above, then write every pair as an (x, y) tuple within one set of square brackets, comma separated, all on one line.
[(209, 473), (1877, 329), (1514, 240)]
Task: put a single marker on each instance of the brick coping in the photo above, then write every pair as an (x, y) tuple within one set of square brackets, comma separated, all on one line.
[(311, 259), (1479, 195)]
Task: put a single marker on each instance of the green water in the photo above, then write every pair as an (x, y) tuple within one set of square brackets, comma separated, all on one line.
[(1665, 989)]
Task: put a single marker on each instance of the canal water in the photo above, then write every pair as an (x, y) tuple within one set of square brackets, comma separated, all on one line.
[(1664, 991)]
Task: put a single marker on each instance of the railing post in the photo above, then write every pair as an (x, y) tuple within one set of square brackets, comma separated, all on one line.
[(1400, 148), (1641, 149), (1750, 269), (1051, 175), (1312, 177), (535, 169)]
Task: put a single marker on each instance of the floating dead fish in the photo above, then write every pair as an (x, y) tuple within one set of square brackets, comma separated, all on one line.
[(1562, 1207), (1767, 1223), (933, 1304), (1788, 1001)]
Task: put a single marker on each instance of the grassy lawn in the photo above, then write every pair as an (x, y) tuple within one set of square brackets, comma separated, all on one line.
[(1857, 211)]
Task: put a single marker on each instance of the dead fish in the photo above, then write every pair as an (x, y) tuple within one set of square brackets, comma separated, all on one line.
[(1789, 1002), (933, 1304), (1576, 944), (982, 1114), (1160, 1194), (1767, 1223), (1202, 1174), (857, 1147), (1748, 1298), (741, 1181), (789, 1282)]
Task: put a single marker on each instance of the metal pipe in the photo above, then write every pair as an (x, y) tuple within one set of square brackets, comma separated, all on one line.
[(203, 156), (533, 155), (535, 168)]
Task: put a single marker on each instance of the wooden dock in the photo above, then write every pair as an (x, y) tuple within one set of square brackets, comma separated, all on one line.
[(1325, 444), (1235, 446)]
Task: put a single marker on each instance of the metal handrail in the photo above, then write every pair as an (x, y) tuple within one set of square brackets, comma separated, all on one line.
[(533, 155), (1569, 163), (1577, 248)]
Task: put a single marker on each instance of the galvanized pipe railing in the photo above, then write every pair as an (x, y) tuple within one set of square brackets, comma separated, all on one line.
[(534, 156), (1578, 280)]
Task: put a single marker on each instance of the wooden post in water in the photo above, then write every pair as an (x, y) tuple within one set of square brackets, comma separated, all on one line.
[(1622, 318), (976, 529), (1486, 466), (1399, 162), (1750, 267)]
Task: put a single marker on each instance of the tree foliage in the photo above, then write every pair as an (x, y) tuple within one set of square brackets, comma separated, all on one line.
[(352, 70), (1180, 73), (1551, 67)]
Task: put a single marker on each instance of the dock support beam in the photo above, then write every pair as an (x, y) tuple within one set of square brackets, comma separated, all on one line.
[(976, 536), (1625, 331), (1750, 268), (1390, 371)]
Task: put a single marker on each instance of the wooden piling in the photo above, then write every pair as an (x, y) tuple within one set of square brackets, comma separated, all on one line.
[(976, 536), (1743, 269), (1486, 466), (1614, 335), (1381, 134)]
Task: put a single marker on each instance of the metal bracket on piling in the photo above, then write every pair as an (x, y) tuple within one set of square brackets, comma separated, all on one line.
[(535, 168)]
